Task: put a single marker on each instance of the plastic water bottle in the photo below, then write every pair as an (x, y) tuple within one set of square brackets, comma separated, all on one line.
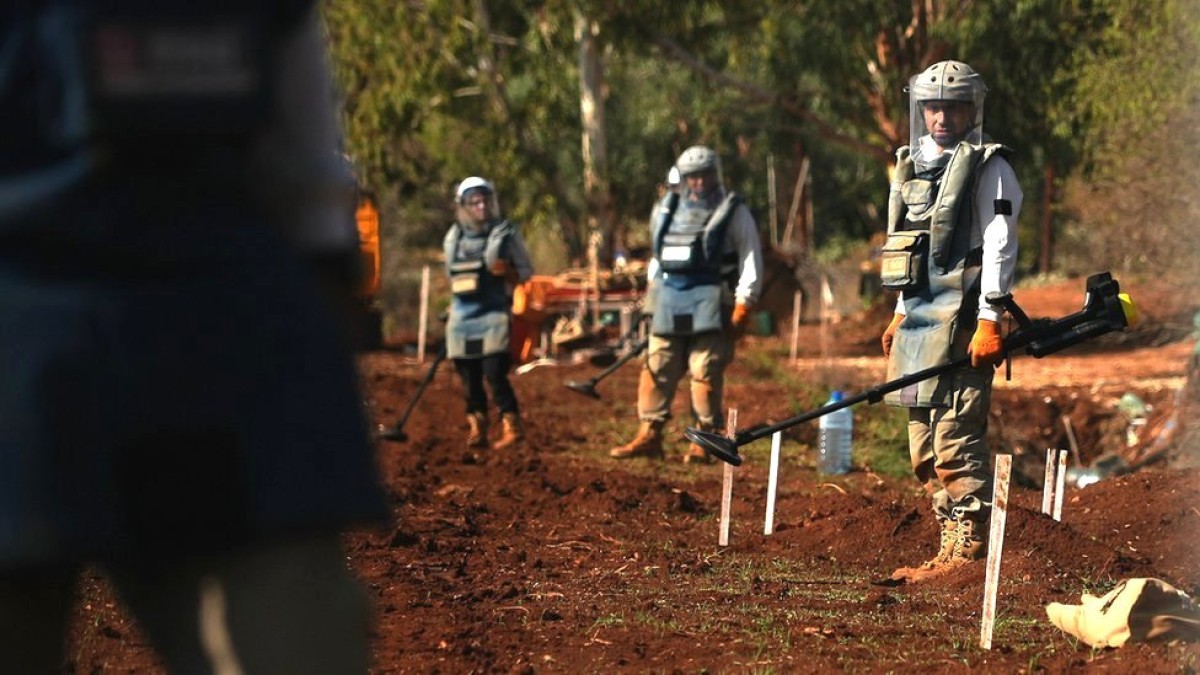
[(837, 429)]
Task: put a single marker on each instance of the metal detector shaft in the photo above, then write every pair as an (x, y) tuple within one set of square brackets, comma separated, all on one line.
[(396, 432), (633, 353), (874, 395), (588, 388), (1103, 312)]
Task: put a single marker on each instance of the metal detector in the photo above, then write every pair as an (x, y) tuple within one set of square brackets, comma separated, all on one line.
[(396, 431), (610, 362), (1105, 309), (588, 388)]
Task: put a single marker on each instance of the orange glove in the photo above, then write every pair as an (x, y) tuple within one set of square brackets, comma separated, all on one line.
[(741, 312), (889, 334), (501, 268), (986, 346)]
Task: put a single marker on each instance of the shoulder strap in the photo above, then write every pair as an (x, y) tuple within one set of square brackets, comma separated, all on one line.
[(662, 219), (902, 172), (450, 244), (498, 238), (718, 223)]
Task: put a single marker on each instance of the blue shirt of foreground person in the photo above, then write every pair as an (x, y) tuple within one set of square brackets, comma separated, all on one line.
[(179, 405)]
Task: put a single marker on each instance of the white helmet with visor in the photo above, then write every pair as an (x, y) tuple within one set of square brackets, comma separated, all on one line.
[(945, 108), (468, 190), (698, 159)]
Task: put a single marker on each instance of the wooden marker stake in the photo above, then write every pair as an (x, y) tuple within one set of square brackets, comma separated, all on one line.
[(727, 482), (1072, 440), (772, 482), (423, 317), (826, 316), (995, 547), (797, 304)]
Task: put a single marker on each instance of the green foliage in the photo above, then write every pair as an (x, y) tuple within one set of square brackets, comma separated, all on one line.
[(837, 247), (1142, 73), (880, 431), (881, 440), (437, 91), (1134, 204), (440, 89)]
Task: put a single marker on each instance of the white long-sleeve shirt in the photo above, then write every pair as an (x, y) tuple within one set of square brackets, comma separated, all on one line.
[(997, 182)]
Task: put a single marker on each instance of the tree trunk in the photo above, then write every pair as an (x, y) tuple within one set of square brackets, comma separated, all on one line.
[(596, 189), (796, 230), (1046, 254)]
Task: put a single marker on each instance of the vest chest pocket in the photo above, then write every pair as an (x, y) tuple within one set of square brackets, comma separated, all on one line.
[(919, 196), (464, 277), (904, 263), (461, 284), (680, 252)]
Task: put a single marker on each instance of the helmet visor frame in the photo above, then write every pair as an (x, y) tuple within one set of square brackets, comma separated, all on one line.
[(943, 114)]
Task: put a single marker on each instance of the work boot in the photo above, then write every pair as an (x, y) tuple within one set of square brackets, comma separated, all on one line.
[(511, 431), (647, 443), (477, 432), (968, 547), (971, 545), (695, 454), (945, 551)]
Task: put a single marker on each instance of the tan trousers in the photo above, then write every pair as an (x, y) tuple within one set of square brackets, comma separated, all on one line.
[(948, 448), (284, 608), (704, 357)]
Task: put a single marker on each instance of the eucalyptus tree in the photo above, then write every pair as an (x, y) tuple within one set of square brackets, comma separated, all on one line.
[(440, 89)]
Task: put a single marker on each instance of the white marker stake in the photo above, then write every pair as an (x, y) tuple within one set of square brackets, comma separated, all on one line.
[(772, 481), (727, 482), (995, 547), (1060, 484), (1048, 482), (422, 318)]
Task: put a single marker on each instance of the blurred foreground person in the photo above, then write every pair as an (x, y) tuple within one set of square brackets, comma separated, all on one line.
[(952, 240), (178, 404), (485, 259), (703, 279)]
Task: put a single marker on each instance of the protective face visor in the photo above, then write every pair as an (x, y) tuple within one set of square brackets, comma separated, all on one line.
[(945, 108), (469, 192), (699, 159)]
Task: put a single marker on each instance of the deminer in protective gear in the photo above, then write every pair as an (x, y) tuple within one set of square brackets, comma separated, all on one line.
[(485, 258), (952, 240), (705, 275)]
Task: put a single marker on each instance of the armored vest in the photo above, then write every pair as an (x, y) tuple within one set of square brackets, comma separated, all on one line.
[(689, 243), (933, 256), (479, 314)]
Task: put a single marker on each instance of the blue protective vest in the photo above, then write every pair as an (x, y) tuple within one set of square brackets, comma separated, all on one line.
[(479, 313), (209, 399), (689, 240), (939, 316)]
